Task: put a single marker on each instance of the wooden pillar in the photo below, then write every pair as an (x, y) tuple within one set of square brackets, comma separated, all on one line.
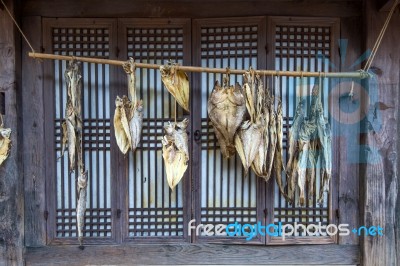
[(379, 182), (11, 181)]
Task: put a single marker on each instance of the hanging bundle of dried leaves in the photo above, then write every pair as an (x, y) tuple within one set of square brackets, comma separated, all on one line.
[(5, 142)]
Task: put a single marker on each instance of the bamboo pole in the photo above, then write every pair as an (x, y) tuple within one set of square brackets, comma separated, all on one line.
[(357, 74)]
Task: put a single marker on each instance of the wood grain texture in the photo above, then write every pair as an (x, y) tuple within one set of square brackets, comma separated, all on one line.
[(33, 137), (190, 9), (380, 181), (11, 183), (193, 254), (350, 51)]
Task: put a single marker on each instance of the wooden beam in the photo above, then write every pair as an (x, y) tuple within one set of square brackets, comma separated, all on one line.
[(190, 9), (11, 182), (33, 137), (193, 254)]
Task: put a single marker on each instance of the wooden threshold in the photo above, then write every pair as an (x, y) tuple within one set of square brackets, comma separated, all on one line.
[(190, 254)]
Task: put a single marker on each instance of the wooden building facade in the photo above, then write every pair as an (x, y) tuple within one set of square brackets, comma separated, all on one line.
[(132, 216)]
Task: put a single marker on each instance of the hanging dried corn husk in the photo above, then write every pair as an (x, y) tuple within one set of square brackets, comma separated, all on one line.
[(81, 205), (128, 116), (5, 142), (175, 151), (249, 135), (226, 110), (177, 83)]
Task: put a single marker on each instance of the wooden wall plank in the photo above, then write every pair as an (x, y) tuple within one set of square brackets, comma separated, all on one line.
[(11, 183), (190, 9), (33, 137), (380, 181), (350, 51), (193, 254)]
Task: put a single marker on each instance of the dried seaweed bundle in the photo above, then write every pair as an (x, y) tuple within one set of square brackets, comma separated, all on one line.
[(177, 83), (226, 110), (5, 142), (128, 116), (175, 151)]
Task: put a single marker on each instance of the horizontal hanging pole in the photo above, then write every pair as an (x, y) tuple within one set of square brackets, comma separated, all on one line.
[(357, 74)]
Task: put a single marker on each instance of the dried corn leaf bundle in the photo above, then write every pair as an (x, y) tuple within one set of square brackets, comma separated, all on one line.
[(128, 116), (175, 151), (81, 204), (5, 142), (226, 110), (177, 83)]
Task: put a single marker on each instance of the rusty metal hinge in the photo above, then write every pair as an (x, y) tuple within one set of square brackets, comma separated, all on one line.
[(46, 215), (337, 214), (119, 213), (117, 51)]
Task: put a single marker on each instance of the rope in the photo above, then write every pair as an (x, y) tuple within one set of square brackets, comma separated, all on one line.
[(380, 37), (16, 24)]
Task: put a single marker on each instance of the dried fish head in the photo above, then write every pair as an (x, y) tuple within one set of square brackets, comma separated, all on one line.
[(177, 83), (226, 110)]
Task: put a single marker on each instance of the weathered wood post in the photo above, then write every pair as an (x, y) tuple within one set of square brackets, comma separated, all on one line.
[(11, 180), (379, 180)]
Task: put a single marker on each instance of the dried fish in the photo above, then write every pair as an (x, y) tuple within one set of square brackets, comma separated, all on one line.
[(309, 141), (278, 159), (293, 139), (259, 165), (64, 141), (325, 139), (226, 110), (73, 79), (175, 151), (177, 83), (71, 135), (247, 142), (128, 116), (136, 124), (121, 125), (81, 205), (5, 142), (272, 140)]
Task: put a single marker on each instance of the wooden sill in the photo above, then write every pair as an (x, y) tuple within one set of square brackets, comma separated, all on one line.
[(194, 254)]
